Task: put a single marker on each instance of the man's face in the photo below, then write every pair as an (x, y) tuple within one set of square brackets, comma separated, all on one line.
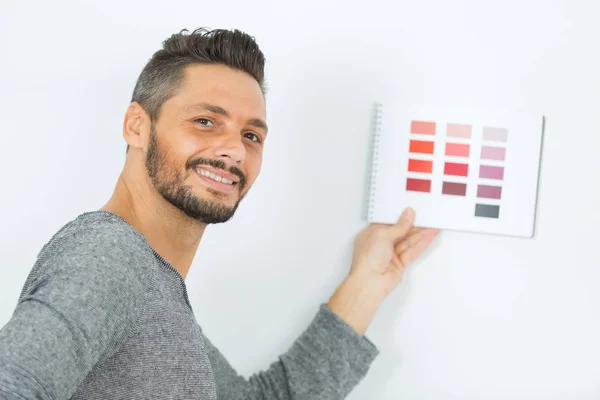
[(205, 150)]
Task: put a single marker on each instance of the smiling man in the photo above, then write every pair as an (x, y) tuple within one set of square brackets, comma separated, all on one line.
[(104, 313)]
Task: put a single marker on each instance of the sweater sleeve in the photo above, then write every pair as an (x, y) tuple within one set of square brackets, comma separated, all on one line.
[(325, 362), (73, 312)]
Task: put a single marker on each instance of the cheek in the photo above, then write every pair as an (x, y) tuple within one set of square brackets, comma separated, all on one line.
[(188, 147), (253, 166)]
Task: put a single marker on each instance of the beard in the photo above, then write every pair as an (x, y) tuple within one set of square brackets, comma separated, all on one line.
[(170, 184)]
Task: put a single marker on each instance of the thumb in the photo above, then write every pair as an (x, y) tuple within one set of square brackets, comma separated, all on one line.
[(403, 225)]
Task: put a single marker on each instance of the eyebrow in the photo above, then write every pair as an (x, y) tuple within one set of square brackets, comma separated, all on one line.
[(256, 122)]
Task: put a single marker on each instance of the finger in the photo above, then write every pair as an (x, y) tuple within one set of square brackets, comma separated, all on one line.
[(414, 251), (403, 225), (411, 238), (414, 230)]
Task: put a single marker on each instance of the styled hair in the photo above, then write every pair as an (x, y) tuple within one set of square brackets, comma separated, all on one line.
[(161, 77)]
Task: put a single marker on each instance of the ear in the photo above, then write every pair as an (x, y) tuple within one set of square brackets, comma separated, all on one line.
[(136, 126)]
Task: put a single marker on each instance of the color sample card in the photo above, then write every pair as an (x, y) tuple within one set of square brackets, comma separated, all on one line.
[(461, 169)]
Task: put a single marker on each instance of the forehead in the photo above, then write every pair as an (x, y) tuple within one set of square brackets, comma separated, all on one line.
[(236, 91)]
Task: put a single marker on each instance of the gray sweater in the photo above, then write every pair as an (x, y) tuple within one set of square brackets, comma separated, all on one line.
[(103, 316)]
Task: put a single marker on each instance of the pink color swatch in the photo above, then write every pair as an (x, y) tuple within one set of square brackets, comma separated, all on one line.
[(459, 130), (456, 149), (493, 153), (491, 172), (489, 192)]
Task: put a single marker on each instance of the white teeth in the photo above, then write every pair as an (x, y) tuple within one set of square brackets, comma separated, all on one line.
[(217, 178)]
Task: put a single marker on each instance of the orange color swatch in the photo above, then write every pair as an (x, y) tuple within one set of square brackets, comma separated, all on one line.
[(456, 149), (420, 166), (422, 127), (421, 146)]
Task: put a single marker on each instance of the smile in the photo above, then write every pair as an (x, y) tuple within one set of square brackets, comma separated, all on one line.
[(216, 180), (215, 177)]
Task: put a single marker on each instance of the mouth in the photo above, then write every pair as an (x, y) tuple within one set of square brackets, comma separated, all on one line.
[(217, 179)]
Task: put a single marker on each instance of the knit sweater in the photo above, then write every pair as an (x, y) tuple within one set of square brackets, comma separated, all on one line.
[(103, 316)]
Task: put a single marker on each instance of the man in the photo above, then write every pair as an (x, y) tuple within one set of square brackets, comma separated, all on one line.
[(104, 313)]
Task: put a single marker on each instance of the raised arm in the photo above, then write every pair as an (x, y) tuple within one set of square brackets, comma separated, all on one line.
[(325, 362), (332, 356)]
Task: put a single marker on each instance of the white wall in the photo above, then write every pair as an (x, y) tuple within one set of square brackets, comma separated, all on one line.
[(478, 317)]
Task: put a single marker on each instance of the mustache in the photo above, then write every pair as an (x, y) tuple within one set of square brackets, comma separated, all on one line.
[(219, 164)]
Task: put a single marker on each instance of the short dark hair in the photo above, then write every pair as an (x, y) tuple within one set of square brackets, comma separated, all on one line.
[(160, 78)]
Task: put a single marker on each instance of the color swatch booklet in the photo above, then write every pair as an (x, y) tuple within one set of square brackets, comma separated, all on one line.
[(460, 169)]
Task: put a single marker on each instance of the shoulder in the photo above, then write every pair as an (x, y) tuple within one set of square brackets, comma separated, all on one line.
[(99, 234), (94, 273), (96, 245), (98, 228)]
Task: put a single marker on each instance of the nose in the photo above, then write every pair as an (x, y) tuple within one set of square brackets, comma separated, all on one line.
[(230, 146)]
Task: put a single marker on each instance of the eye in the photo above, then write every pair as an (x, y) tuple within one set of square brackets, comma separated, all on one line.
[(204, 121), (253, 136)]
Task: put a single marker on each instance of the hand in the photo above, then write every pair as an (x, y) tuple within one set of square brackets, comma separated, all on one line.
[(382, 252)]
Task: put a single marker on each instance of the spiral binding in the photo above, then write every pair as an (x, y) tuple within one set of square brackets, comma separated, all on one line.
[(377, 124)]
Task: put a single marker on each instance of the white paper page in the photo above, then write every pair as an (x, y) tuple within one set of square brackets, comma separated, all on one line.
[(522, 148)]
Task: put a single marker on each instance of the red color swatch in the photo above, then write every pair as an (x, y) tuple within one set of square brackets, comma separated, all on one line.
[(418, 185), (456, 169), (420, 166)]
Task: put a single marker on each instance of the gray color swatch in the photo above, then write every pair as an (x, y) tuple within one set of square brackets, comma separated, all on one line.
[(487, 210)]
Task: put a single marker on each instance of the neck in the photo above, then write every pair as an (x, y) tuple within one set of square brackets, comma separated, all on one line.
[(170, 232)]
